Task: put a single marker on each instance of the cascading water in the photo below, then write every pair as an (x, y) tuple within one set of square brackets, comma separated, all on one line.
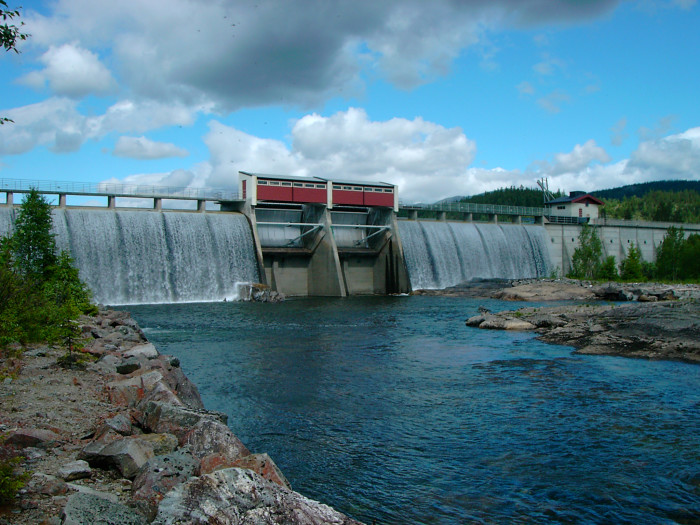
[(132, 257), (443, 254)]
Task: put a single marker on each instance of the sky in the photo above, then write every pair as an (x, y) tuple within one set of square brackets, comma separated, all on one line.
[(441, 97)]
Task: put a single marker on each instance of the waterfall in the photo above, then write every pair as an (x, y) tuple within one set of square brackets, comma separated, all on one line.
[(443, 254), (132, 257)]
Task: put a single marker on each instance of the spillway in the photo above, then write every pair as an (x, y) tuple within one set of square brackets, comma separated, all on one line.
[(443, 254), (135, 257)]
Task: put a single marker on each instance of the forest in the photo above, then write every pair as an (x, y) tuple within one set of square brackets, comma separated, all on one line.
[(664, 201)]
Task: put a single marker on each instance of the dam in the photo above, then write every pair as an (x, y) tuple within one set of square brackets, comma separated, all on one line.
[(308, 237)]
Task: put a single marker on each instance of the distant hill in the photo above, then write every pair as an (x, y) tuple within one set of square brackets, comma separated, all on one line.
[(512, 196), (639, 190)]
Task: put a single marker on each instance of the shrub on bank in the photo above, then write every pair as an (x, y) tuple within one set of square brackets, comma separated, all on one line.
[(40, 289)]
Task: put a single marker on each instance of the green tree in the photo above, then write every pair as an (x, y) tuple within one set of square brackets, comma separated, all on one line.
[(690, 258), (668, 254), (631, 268), (608, 269), (586, 260), (10, 33), (33, 244)]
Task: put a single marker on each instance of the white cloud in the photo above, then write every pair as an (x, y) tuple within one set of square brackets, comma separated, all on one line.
[(143, 148), (255, 52), (525, 88), (672, 157), (72, 71)]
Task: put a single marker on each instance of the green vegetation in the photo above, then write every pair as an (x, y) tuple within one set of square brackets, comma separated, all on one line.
[(11, 478), (527, 197), (9, 34), (640, 190), (587, 259), (664, 206), (40, 292), (677, 259)]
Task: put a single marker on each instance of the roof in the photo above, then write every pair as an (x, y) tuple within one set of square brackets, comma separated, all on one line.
[(315, 179), (361, 183), (282, 177), (575, 198)]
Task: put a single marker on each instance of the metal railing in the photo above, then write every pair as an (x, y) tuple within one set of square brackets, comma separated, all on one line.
[(470, 207), (117, 190)]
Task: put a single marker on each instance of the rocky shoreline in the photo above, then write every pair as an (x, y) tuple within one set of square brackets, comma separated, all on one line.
[(123, 437), (655, 321)]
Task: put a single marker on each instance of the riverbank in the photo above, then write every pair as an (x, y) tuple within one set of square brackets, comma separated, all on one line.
[(655, 321), (123, 437)]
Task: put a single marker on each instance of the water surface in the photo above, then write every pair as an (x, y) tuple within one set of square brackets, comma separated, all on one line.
[(391, 409)]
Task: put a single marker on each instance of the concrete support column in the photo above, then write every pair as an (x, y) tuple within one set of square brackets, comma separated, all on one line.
[(412, 215), (111, 202), (442, 216), (539, 219), (61, 200), (517, 219), (10, 198), (493, 218), (157, 203), (201, 205), (468, 217)]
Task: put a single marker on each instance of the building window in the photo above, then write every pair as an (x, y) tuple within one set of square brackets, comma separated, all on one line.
[(262, 183), (298, 185), (286, 184), (308, 185), (274, 183), (561, 207)]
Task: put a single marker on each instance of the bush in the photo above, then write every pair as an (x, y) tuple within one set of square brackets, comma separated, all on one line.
[(11, 477)]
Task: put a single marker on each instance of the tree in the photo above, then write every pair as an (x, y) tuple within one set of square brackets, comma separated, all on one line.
[(9, 34), (608, 269), (668, 254), (586, 260), (33, 244), (631, 266)]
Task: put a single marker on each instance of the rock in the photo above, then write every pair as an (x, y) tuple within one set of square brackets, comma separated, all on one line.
[(517, 324), (161, 443), (121, 423), (179, 383), (210, 436), (613, 292), (128, 365), (107, 364), (128, 455), (177, 420), (233, 496), (82, 489), (475, 320), (78, 469), (128, 392), (493, 323), (47, 485), (158, 476), (32, 437), (147, 350), (263, 465), (644, 298), (82, 509)]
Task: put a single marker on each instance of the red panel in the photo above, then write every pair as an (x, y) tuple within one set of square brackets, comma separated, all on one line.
[(275, 193), (347, 197), (310, 195), (373, 198)]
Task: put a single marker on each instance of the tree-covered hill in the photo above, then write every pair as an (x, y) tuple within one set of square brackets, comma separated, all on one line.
[(640, 190), (512, 196)]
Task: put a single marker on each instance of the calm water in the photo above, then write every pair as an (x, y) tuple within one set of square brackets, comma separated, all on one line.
[(391, 409)]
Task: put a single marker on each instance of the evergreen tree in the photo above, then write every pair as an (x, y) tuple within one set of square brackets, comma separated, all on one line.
[(33, 244), (668, 254), (631, 266)]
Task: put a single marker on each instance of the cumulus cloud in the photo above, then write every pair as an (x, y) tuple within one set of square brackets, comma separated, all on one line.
[(143, 148), (673, 157), (257, 52), (71, 71), (553, 101)]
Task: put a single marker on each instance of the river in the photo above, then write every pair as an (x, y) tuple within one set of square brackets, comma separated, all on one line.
[(391, 409)]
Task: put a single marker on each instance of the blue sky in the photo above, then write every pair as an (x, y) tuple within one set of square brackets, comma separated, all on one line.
[(442, 98)]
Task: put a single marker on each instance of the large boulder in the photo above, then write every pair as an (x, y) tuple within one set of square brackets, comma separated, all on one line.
[(128, 392), (211, 437), (127, 455), (237, 496), (174, 419), (158, 476), (32, 437), (263, 465), (86, 508)]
